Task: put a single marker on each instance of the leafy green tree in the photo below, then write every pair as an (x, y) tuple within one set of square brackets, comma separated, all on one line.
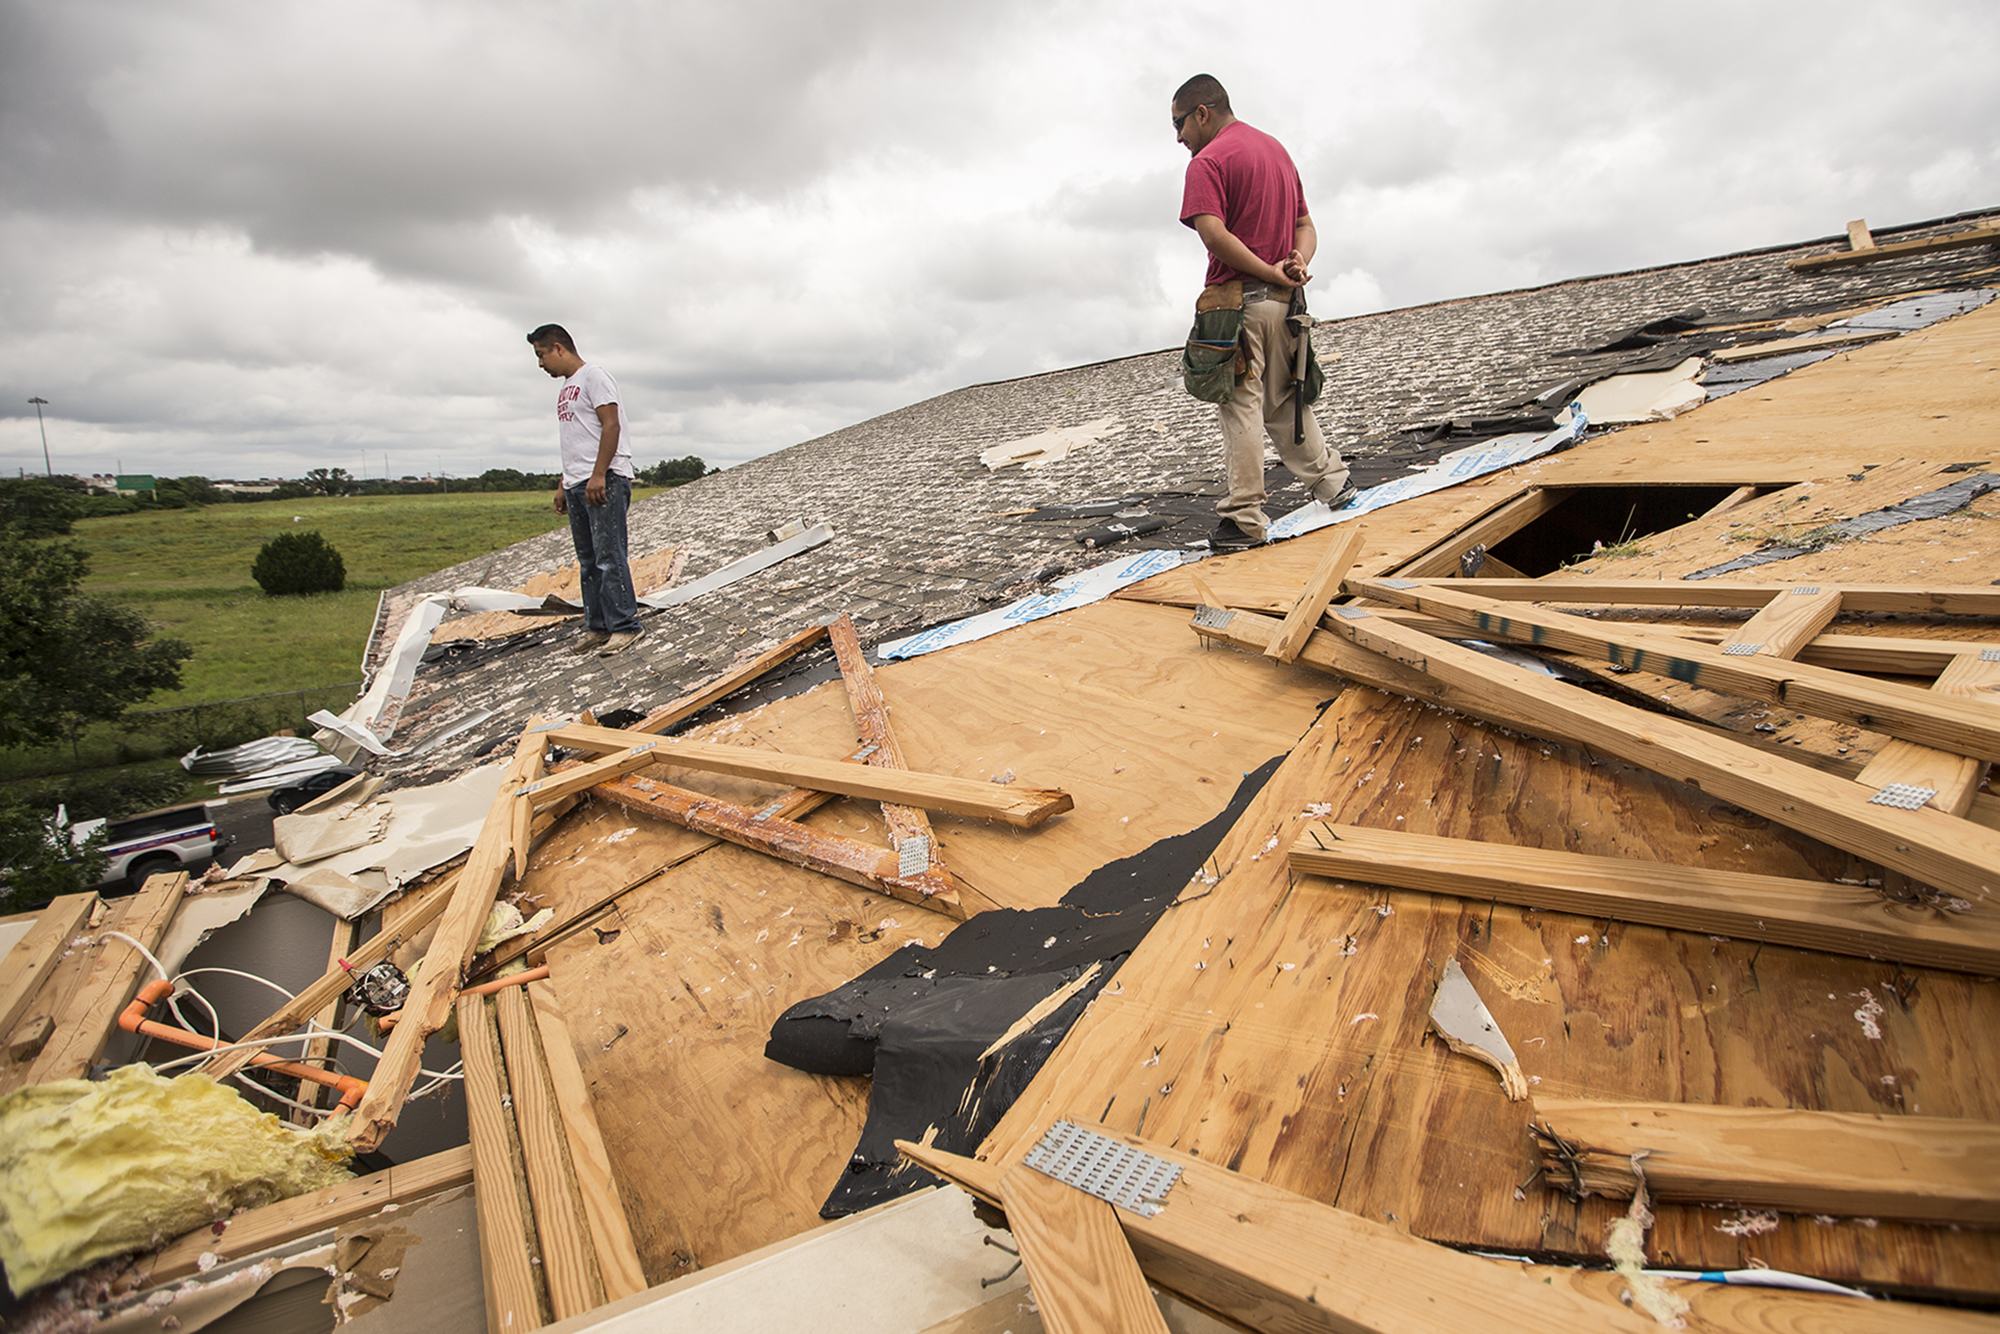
[(39, 859), (37, 507), (299, 563), (674, 472), (68, 660), (328, 481)]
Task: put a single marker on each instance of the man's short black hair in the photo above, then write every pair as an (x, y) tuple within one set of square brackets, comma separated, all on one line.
[(556, 334), (1203, 90)]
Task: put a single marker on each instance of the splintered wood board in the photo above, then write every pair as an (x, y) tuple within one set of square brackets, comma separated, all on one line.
[(1279, 1025), (1119, 699)]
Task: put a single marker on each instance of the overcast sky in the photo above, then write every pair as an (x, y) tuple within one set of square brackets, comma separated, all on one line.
[(247, 239)]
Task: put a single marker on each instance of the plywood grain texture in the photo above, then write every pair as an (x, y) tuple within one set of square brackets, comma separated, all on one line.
[(1277, 1025), (669, 997)]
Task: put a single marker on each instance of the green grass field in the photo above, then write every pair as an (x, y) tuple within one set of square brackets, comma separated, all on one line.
[(188, 572)]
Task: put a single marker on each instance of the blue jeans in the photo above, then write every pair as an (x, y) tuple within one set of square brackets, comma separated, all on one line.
[(609, 603)]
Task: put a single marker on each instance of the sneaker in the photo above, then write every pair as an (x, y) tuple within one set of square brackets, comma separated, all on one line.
[(1348, 491), (1228, 536), (616, 644), (592, 640)]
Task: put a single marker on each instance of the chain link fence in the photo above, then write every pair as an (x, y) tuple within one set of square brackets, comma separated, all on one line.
[(229, 722)]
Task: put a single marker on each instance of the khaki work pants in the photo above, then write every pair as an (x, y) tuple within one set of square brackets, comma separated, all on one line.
[(1263, 405)]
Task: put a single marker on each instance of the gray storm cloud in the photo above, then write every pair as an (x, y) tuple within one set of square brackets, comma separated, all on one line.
[(251, 239)]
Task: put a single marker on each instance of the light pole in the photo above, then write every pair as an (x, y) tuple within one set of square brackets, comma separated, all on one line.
[(41, 403)]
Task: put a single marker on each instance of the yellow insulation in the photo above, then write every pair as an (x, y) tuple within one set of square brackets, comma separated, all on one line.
[(89, 1170)]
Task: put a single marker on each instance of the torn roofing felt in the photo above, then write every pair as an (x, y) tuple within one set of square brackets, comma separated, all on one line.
[(1930, 505), (926, 1022)]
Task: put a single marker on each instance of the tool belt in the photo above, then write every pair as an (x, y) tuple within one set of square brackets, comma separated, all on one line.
[(1214, 361)]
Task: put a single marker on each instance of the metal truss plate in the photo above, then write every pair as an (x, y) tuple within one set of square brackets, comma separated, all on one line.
[(913, 856), (1349, 613), (1989, 655), (1397, 583), (1903, 796), (1214, 618), (1742, 650), (1804, 590), (1116, 1173)]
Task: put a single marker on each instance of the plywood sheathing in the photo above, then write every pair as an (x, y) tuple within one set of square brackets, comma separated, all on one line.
[(670, 997), (1277, 1024)]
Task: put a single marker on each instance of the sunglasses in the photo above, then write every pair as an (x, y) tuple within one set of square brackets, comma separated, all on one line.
[(1181, 119)]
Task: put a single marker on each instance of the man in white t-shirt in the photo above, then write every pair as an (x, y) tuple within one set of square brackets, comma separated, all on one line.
[(596, 488)]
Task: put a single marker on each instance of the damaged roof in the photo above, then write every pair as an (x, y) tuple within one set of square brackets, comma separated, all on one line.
[(1200, 959), (925, 533)]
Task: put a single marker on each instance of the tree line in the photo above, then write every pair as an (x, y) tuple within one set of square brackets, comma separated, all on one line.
[(46, 506)]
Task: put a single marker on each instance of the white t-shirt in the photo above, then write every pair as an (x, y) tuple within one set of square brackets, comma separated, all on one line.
[(577, 403)]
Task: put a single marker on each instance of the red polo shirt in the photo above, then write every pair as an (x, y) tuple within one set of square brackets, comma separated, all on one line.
[(1246, 178)]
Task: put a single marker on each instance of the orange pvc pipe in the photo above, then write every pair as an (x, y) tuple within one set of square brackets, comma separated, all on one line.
[(134, 1020), (388, 1021)]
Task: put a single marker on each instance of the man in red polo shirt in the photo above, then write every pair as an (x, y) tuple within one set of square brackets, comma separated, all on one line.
[(1244, 199)]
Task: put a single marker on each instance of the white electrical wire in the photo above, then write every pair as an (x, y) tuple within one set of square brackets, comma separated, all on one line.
[(236, 972), (439, 1079), (291, 1037), (289, 1102), (158, 967)]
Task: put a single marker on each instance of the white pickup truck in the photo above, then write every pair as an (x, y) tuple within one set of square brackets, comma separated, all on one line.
[(145, 845)]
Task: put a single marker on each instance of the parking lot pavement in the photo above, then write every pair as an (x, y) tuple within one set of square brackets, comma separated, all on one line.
[(245, 821)]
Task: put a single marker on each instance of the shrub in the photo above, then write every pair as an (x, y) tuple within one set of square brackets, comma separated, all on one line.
[(39, 860), (299, 563)]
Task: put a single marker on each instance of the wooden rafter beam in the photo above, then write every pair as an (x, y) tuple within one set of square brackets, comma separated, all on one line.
[(36, 955), (510, 1255), (1953, 780), (1490, 529), (766, 831), (301, 1216), (908, 826), (1985, 234), (568, 1255), (1922, 599), (1805, 914), (728, 682), (1786, 624), (1084, 1276), (435, 981), (1272, 1260), (111, 974), (603, 1207), (1014, 804), (1934, 719), (1931, 1169), (1322, 586), (1952, 854)]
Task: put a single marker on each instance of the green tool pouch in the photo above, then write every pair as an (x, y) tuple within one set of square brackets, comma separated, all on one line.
[(1209, 361), (1315, 376)]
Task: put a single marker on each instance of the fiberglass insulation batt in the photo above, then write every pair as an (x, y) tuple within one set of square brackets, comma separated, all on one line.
[(89, 1170)]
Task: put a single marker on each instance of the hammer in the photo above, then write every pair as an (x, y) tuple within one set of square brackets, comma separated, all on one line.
[(1301, 326)]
